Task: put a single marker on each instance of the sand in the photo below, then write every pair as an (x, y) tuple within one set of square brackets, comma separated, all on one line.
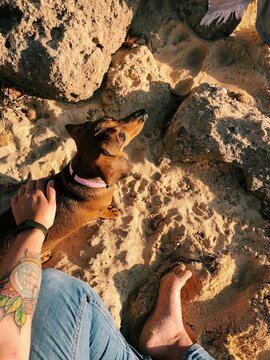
[(196, 213)]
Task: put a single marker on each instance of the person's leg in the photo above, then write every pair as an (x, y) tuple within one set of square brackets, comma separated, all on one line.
[(164, 335), (263, 20), (71, 322)]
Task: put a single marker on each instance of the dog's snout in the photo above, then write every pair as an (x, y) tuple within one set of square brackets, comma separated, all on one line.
[(144, 116), (141, 114)]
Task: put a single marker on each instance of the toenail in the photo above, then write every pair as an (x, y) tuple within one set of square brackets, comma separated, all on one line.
[(177, 271), (180, 267)]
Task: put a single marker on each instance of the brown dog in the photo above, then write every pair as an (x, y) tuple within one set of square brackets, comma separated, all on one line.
[(85, 186)]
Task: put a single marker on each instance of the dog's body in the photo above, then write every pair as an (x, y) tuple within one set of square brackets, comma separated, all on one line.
[(99, 156)]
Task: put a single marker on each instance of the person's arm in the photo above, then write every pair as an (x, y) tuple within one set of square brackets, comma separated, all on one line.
[(20, 270)]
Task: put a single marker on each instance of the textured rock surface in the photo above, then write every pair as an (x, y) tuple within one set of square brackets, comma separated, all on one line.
[(192, 13), (61, 49), (133, 82), (212, 125)]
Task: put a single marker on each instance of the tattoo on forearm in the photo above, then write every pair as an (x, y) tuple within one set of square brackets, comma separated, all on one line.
[(19, 290)]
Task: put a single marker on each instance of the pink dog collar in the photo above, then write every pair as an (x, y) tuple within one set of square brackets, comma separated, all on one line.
[(99, 184)]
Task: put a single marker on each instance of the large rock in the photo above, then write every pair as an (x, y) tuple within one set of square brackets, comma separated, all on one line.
[(189, 11), (61, 49), (212, 125), (192, 12)]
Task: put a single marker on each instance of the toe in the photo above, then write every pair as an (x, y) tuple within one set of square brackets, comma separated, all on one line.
[(179, 268), (176, 278), (181, 273)]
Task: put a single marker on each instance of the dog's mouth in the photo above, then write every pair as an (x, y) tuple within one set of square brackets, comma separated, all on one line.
[(139, 115)]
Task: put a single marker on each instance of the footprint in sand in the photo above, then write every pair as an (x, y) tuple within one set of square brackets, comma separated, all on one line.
[(142, 186), (127, 220), (201, 209)]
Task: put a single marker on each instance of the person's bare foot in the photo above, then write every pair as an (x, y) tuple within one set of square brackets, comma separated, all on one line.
[(164, 335)]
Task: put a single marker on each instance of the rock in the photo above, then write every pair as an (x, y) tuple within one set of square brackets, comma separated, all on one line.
[(192, 13), (31, 114), (61, 49), (133, 82), (212, 125)]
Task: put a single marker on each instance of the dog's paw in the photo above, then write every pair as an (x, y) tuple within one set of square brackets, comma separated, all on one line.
[(110, 213), (44, 257)]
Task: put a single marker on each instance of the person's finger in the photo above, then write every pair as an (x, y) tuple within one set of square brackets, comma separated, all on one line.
[(30, 186), (14, 200), (51, 193), (41, 185), (21, 190)]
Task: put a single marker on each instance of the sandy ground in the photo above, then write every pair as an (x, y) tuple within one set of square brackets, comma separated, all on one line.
[(170, 212)]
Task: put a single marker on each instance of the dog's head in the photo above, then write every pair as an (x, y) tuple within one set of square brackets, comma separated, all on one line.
[(100, 146)]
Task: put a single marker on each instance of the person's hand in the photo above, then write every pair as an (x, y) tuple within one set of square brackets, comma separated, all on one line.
[(35, 201)]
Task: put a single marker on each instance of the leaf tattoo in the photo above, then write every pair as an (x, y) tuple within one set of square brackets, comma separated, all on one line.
[(19, 290)]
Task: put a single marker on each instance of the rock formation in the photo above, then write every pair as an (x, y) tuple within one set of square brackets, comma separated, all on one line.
[(133, 82), (211, 124), (192, 12), (61, 49)]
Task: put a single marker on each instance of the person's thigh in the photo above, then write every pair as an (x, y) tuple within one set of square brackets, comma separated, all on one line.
[(196, 352), (71, 322)]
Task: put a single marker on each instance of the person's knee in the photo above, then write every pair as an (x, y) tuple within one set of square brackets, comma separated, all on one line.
[(55, 283), (53, 275)]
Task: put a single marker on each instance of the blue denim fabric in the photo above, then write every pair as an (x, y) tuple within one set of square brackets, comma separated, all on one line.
[(196, 352), (72, 323)]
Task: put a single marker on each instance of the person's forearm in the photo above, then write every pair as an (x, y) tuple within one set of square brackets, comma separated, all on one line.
[(20, 277), (30, 240)]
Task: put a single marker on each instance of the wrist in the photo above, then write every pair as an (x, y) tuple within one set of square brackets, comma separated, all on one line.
[(33, 233), (29, 224)]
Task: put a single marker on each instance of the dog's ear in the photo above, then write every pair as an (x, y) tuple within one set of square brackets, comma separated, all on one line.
[(88, 128), (114, 170), (72, 129)]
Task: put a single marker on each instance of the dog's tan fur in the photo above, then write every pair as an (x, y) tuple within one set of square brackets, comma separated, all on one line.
[(99, 154)]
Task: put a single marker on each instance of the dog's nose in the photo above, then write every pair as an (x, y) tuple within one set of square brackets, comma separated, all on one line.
[(141, 114)]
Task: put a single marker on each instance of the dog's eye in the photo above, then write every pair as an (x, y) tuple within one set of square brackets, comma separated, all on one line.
[(122, 136), (104, 152)]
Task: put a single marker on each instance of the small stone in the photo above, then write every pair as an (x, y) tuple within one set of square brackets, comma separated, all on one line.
[(13, 94), (31, 114)]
